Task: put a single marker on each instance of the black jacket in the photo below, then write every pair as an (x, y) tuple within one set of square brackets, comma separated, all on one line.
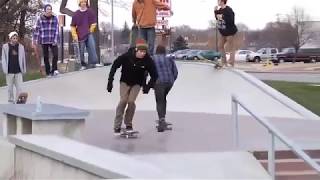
[(226, 26), (134, 70)]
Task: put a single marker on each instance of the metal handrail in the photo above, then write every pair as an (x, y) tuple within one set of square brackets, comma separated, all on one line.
[(274, 132), (287, 102)]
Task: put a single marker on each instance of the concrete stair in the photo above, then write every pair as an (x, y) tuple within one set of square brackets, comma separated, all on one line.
[(289, 166)]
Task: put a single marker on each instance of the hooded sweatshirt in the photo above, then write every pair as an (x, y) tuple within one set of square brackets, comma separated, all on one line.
[(226, 26), (133, 69)]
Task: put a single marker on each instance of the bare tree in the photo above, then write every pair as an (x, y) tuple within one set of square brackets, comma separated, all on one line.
[(15, 15), (301, 23)]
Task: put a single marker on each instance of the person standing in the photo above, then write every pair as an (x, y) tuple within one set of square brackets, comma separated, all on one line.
[(47, 35), (134, 63), (144, 16), (13, 65), (167, 74), (83, 25), (227, 28)]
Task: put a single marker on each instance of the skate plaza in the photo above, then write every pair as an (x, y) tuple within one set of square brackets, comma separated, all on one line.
[(213, 136)]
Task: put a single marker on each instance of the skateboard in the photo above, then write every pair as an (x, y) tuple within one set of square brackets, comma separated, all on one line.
[(217, 65), (22, 98), (163, 126), (128, 134)]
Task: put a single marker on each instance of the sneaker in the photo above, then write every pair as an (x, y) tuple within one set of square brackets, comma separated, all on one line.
[(98, 65), (117, 131), (55, 73), (82, 68), (129, 128)]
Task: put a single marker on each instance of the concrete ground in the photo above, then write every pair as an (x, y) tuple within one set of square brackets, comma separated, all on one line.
[(199, 106)]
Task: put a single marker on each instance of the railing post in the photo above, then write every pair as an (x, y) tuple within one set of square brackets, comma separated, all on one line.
[(271, 157), (235, 121)]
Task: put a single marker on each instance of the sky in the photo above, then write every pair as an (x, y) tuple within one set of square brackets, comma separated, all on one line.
[(197, 13)]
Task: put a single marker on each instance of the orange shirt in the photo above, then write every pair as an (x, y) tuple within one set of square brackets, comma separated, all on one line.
[(144, 14)]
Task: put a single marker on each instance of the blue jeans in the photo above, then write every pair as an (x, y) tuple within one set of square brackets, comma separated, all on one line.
[(149, 35), (90, 44)]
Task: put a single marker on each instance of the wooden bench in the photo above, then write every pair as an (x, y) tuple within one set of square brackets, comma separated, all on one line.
[(53, 119)]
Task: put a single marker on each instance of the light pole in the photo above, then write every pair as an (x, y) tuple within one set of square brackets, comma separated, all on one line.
[(112, 32)]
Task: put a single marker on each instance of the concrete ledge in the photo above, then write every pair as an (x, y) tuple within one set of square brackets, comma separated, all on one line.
[(6, 159), (95, 161), (49, 111), (53, 119)]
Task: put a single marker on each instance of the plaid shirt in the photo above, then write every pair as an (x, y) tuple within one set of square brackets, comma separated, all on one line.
[(47, 30), (166, 68)]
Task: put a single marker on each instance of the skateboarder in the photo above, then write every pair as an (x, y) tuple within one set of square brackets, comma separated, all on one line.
[(227, 28), (13, 65), (167, 74), (134, 63)]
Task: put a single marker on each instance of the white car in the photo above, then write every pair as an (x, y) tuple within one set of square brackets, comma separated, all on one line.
[(241, 55), (263, 54)]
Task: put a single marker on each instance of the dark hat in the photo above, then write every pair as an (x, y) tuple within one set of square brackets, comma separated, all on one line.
[(141, 44), (47, 5)]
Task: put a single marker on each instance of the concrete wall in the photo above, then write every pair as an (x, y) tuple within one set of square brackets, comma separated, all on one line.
[(44, 167), (6, 159)]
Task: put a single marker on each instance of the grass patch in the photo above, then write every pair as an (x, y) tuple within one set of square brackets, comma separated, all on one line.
[(303, 93), (27, 77)]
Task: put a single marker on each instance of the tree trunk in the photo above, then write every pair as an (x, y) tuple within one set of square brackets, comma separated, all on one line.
[(65, 10), (3, 2), (22, 26)]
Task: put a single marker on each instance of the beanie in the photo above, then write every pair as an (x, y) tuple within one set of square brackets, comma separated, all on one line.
[(141, 44), (13, 33), (47, 5)]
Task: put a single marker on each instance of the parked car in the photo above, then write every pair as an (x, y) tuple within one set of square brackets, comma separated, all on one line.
[(181, 54), (193, 54), (263, 54), (306, 55), (241, 55), (209, 54)]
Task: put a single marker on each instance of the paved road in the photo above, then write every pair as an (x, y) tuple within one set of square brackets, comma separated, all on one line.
[(292, 77)]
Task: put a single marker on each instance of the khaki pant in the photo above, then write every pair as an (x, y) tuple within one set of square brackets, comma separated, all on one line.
[(226, 44), (128, 96), (16, 81)]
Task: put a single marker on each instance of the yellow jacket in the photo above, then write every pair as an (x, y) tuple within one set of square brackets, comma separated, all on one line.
[(144, 14)]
